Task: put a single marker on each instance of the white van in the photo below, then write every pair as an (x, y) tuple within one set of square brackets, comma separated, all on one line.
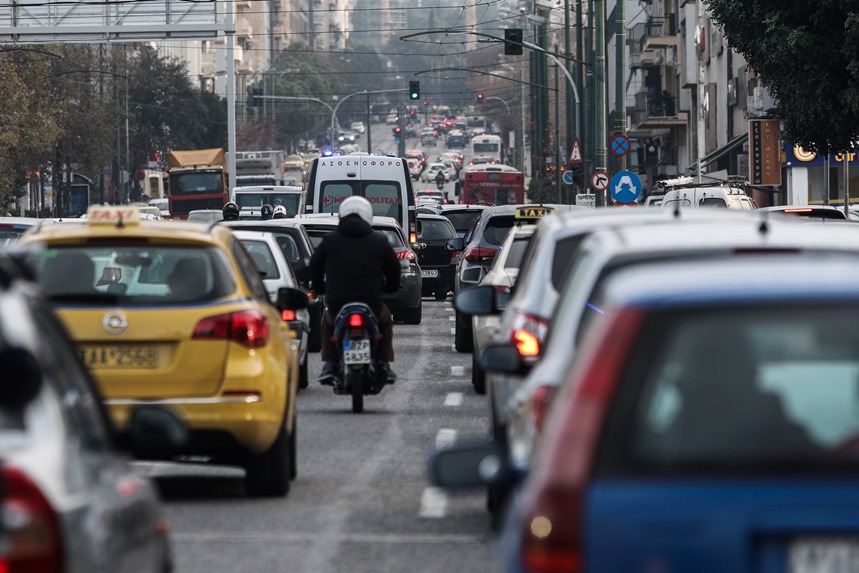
[(384, 181), (685, 193), (252, 197)]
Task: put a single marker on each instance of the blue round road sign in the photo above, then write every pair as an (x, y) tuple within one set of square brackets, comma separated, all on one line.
[(619, 144), (568, 177), (625, 187)]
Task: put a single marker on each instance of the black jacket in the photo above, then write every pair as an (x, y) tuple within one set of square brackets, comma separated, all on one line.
[(354, 264)]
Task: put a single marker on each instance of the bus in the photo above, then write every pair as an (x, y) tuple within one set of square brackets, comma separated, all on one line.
[(492, 185), (486, 146)]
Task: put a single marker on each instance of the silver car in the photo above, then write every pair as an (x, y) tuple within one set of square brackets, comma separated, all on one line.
[(71, 501), (276, 274)]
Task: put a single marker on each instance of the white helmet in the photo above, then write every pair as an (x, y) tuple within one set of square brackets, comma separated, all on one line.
[(357, 205)]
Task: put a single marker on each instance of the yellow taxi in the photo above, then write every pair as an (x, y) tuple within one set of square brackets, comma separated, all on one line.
[(177, 315)]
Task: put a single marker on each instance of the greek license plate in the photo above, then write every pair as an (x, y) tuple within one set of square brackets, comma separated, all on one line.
[(824, 555), (119, 356), (429, 273), (356, 351)]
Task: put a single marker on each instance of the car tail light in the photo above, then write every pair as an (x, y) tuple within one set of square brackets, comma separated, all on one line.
[(408, 255), (528, 334), (552, 533), (479, 254), (31, 527), (249, 328), (285, 315), (356, 320)]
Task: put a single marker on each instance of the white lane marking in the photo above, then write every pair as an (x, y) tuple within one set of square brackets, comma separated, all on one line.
[(445, 437), (453, 399), (451, 318), (304, 537), (433, 503), (449, 308), (457, 370), (453, 331)]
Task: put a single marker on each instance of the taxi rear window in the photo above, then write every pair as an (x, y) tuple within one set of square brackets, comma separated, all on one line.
[(750, 390), (133, 273)]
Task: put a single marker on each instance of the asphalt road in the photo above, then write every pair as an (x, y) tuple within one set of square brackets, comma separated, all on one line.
[(361, 502)]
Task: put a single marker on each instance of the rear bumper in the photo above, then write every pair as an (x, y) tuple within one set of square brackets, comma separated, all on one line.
[(407, 297)]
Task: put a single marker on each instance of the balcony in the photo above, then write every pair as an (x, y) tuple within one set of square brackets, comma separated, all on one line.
[(654, 110), (660, 33)]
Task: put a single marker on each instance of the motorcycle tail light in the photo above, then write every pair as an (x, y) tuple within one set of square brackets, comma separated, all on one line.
[(356, 320)]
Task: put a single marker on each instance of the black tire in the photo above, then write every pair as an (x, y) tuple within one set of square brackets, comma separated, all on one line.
[(441, 294), (314, 337), (302, 374), (356, 384), (413, 315), (462, 340), (267, 474), (293, 459), (478, 375)]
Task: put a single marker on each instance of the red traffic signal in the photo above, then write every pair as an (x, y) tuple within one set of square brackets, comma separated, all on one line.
[(479, 96)]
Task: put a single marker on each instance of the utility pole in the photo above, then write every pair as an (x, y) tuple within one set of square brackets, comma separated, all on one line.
[(600, 159), (620, 72), (570, 112)]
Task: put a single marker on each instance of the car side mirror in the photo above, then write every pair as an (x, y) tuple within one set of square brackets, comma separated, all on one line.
[(476, 463), (503, 359), (291, 299), (456, 244), (22, 377), (476, 300)]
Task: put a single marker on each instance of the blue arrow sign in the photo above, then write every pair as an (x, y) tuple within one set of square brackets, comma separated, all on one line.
[(625, 187), (568, 177)]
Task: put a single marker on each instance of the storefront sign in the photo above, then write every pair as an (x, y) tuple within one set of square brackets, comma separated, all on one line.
[(764, 147)]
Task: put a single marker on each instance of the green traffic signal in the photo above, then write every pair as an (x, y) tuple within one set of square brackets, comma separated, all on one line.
[(414, 90)]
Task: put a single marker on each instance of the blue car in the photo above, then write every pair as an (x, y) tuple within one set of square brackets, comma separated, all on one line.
[(710, 424)]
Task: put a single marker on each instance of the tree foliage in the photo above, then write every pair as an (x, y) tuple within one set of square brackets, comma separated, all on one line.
[(807, 54)]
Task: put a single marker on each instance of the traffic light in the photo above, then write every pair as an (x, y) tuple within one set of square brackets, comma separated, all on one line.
[(479, 96), (512, 35), (255, 100), (414, 90)]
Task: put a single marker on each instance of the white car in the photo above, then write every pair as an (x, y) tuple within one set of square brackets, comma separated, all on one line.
[(277, 273), (357, 127), (431, 172)]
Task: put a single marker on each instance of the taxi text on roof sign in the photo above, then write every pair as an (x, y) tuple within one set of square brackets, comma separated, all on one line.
[(109, 215), (533, 212)]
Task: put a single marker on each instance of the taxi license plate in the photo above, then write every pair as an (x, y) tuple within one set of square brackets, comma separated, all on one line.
[(356, 351), (119, 356), (824, 555), (429, 273)]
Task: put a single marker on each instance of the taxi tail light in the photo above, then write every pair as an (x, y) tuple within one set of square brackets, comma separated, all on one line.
[(249, 328), (30, 526), (479, 254), (529, 332), (552, 536), (287, 315)]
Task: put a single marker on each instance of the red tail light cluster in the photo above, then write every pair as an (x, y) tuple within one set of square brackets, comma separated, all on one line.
[(552, 533), (528, 335), (408, 255), (249, 328), (31, 527), (479, 254), (287, 315)]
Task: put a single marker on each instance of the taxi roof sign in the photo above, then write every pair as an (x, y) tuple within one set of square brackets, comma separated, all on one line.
[(533, 212), (113, 215)]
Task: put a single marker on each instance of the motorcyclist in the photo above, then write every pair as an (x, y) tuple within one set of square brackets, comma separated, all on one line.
[(279, 212), (355, 264), (266, 212), (231, 211), (440, 180)]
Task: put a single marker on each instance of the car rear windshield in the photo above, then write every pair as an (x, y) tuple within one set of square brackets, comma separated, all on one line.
[(132, 274), (497, 228), (463, 220), (517, 251), (263, 257), (384, 196), (318, 233), (747, 390), (9, 236), (432, 229)]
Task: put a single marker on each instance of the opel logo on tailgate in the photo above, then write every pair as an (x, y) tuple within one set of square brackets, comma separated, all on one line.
[(114, 323)]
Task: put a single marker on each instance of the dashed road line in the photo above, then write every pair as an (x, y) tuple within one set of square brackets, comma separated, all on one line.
[(433, 503), (453, 399), (457, 370)]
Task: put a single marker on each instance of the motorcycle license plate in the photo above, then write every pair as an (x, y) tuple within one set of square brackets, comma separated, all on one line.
[(823, 555), (356, 351)]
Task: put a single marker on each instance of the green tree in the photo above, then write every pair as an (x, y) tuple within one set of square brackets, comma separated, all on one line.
[(807, 54)]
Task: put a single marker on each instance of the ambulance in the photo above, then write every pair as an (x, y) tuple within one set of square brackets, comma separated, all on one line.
[(383, 180)]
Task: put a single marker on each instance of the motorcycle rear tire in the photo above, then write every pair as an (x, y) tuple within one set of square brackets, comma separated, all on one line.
[(356, 384)]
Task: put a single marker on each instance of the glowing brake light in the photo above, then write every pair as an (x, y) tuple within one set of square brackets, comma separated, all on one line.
[(413, 237), (798, 210), (526, 343), (528, 334), (356, 320), (287, 315)]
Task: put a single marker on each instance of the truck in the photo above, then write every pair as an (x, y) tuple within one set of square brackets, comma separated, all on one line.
[(262, 168), (197, 180)]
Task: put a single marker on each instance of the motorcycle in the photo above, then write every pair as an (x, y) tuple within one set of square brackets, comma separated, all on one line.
[(356, 336)]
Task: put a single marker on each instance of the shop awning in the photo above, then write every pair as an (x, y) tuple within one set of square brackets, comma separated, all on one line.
[(719, 153)]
